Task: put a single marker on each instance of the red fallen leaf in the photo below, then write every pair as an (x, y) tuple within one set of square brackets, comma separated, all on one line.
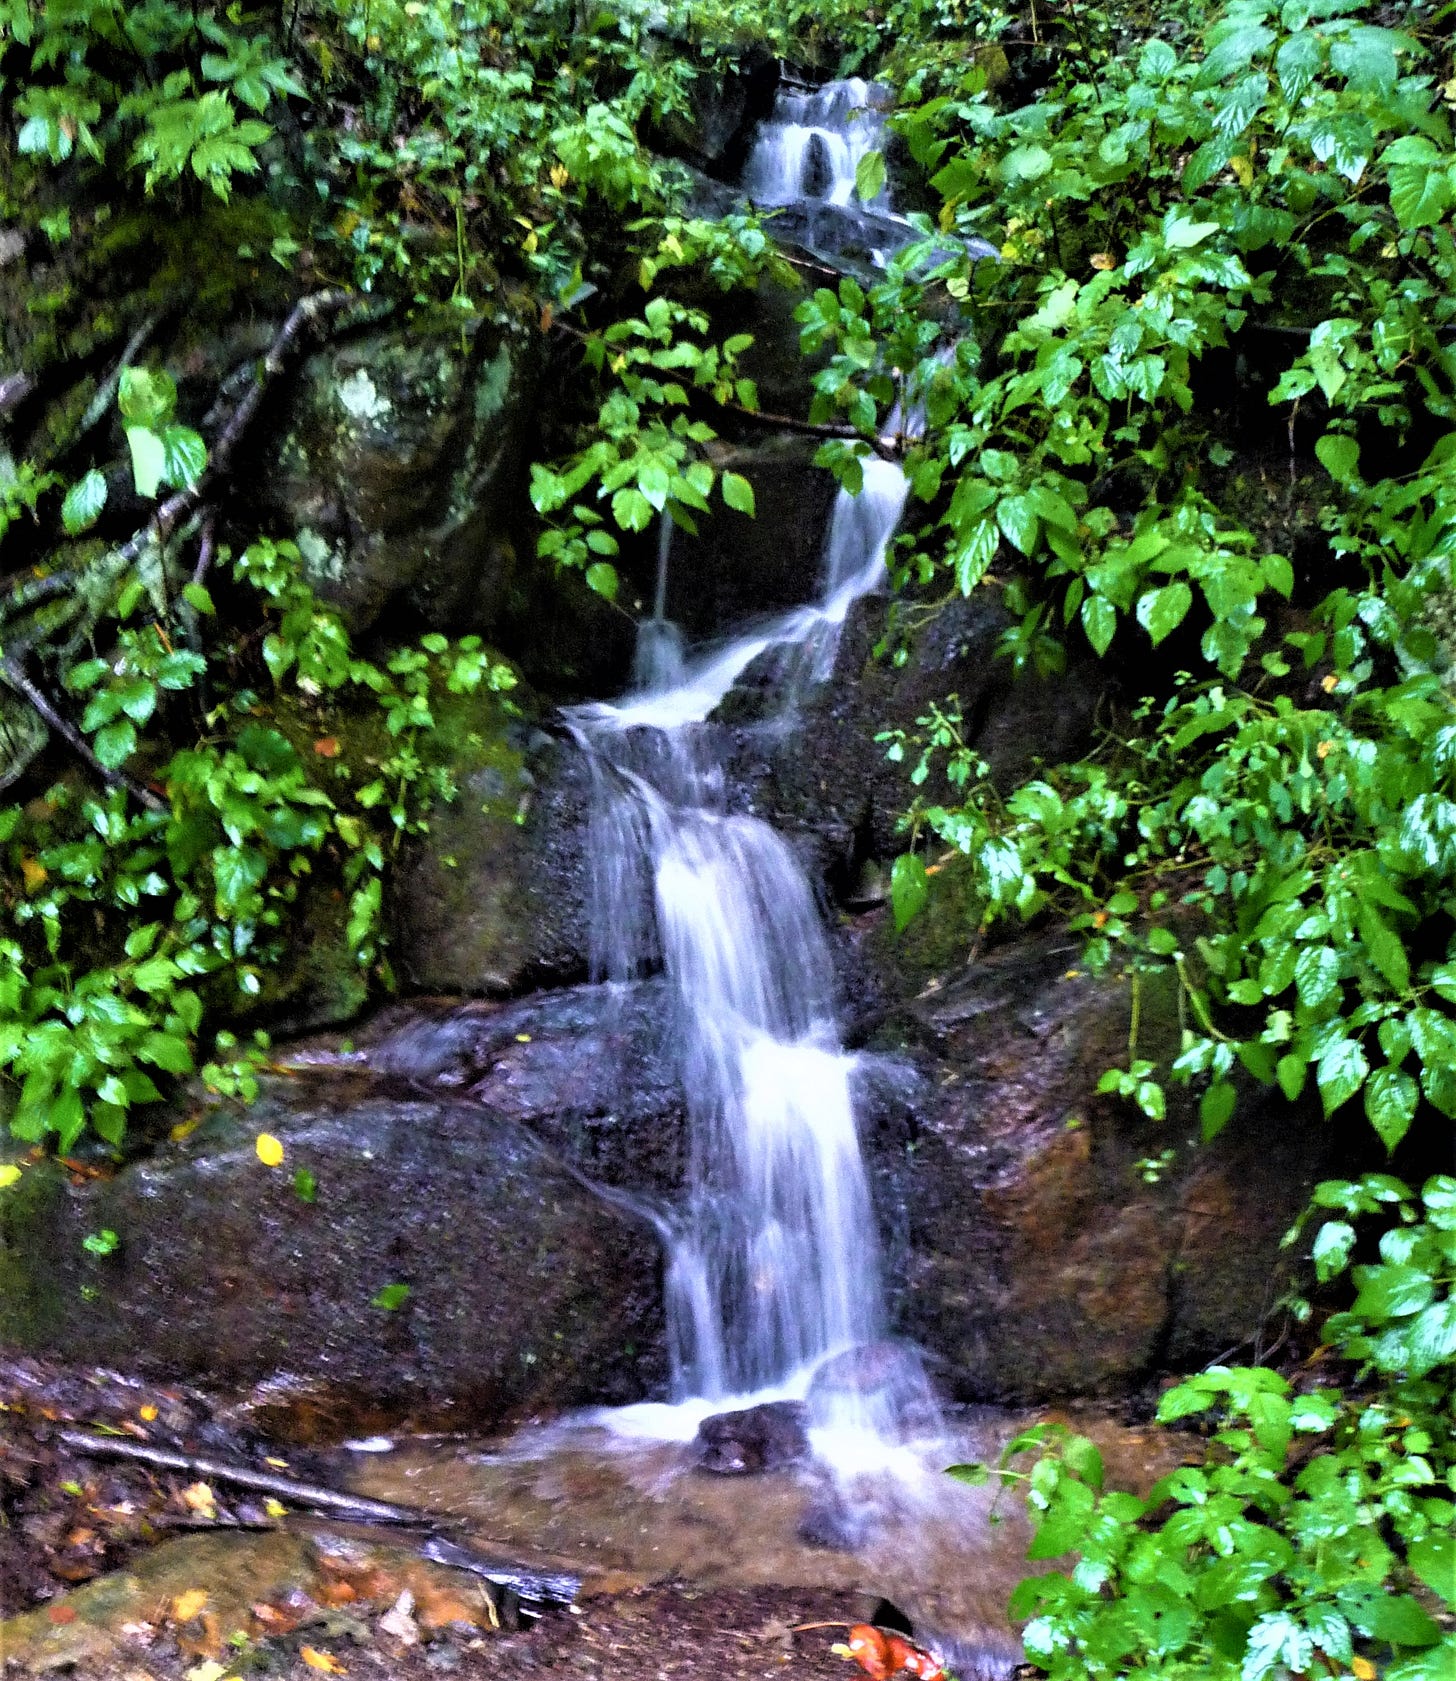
[(60, 1614), (327, 747)]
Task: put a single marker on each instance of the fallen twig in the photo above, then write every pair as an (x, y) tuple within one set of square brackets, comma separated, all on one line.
[(244, 1476)]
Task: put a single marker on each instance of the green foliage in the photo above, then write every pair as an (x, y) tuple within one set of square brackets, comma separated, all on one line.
[(71, 71), (1294, 790), (1318, 1532)]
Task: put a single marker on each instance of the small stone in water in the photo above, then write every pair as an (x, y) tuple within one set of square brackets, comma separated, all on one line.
[(762, 1438), (370, 1444)]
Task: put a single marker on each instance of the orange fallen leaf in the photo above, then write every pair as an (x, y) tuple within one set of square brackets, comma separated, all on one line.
[(1362, 1669), (327, 747), (188, 1605), (60, 1614), (325, 1661)]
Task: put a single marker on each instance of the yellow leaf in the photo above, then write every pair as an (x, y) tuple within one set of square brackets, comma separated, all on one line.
[(275, 1508), (1243, 168), (322, 1660), (270, 1151), (188, 1605), (1103, 260), (199, 1498), (185, 1129), (9, 1174), (35, 874), (208, 1670), (559, 175), (1362, 1669), (147, 1413)]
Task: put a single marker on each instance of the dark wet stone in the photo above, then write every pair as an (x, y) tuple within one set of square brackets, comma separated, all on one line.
[(525, 1288), (762, 1438), (834, 1526)]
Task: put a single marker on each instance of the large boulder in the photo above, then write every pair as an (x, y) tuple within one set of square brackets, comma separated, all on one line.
[(525, 1288), (399, 467), (1045, 1240)]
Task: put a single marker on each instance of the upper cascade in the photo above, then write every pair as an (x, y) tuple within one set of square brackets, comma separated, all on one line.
[(812, 146)]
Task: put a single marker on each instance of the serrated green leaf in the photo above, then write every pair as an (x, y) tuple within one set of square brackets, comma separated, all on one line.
[(737, 493), (1390, 1104), (148, 459), (83, 503)]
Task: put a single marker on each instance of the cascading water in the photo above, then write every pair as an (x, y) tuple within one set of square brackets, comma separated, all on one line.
[(773, 1261), (812, 146)]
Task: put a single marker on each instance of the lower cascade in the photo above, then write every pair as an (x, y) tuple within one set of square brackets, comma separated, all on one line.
[(773, 1259)]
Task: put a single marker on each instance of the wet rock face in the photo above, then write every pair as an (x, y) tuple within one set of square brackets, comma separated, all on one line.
[(525, 1288), (493, 899), (399, 468), (1037, 1242), (762, 1438), (590, 1070), (818, 774)]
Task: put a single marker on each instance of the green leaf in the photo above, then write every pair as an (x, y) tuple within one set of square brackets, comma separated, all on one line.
[(1390, 1104), (1392, 1291), (1317, 975), (1431, 1340), (391, 1297), (1018, 519), (601, 576), (1161, 611), (909, 888), (1099, 621), (737, 492), (869, 176), (1215, 1109), (1066, 1521), (1181, 233), (1340, 1072), (305, 1186), (184, 456), (974, 1474), (1339, 454), (1393, 1617), (1433, 1558), (1026, 163), (631, 509), (148, 459), (1333, 1245), (1420, 196), (1384, 947), (84, 502)]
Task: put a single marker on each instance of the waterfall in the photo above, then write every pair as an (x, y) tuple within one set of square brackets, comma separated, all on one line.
[(812, 145), (773, 1259), (773, 1264)]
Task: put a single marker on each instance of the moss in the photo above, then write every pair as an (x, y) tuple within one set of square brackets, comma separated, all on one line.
[(34, 1296)]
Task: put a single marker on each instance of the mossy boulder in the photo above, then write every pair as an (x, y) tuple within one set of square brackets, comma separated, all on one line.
[(399, 467)]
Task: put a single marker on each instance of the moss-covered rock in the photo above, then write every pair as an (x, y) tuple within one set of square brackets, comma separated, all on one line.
[(399, 469)]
